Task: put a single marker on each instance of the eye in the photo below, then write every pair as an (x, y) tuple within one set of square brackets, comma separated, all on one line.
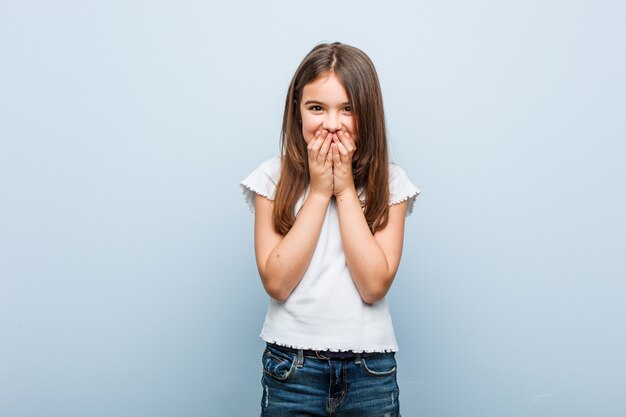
[(347, 109), (315, 108)]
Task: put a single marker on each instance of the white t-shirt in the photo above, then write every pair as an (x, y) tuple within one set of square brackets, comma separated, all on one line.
[(325, 310)]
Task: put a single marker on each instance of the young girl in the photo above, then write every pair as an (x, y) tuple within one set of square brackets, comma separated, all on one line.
[(328, 232)]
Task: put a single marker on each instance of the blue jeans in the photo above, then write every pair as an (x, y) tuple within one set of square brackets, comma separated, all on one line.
[(296, 384)]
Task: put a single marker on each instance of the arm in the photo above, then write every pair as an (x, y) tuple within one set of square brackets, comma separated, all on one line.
[(372, 259), (283, 260)]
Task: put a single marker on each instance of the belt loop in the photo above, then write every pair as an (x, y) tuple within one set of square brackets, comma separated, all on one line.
[(319, 355), (300, 358), (358, 359)]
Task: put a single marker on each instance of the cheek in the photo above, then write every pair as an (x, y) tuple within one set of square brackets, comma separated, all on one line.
[(309, 127), (351, 127)]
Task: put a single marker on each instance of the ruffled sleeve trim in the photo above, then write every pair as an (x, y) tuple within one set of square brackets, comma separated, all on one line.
[(261, 181), (401, 188)]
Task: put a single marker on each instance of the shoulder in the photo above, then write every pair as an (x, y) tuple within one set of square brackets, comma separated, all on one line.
[(262, 181), (401, 188)]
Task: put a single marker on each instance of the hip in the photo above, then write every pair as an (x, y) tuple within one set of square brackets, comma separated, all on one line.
[(322, 382)]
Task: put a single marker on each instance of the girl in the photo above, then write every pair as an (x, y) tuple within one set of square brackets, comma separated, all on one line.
[(328, 232)]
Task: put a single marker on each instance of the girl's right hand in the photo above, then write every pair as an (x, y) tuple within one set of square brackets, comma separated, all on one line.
[(321, 164)]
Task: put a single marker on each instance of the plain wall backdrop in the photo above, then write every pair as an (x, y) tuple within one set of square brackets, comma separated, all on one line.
[(128, 286)]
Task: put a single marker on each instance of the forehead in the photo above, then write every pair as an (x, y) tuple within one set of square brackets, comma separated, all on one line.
[(326, 86)]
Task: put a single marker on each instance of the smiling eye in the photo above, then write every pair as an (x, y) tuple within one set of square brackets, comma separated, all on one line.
[(315, 108)]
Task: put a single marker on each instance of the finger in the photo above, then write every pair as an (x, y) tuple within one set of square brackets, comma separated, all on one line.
[(335, 144), (314, 149), (336, 157), (329, 157), (313, 139), (341, 147), (345, 156), (324, 149), (313, 146), (348, 134), (319, 141), (347, 141)]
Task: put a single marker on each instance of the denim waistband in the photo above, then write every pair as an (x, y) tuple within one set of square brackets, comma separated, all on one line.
[(322, 354)]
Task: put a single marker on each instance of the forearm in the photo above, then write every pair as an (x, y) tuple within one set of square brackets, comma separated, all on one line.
[(289, 260), (366, 260)]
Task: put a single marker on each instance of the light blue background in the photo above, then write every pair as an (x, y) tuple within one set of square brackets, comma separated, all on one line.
[(128, 283)]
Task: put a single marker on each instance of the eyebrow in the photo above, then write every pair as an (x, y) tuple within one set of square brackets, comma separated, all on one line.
[(319, 102)]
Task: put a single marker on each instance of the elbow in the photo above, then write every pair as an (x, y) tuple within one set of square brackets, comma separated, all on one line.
[(273, 282), (374, 295), (274, 289), (277, 294), (377, 292)]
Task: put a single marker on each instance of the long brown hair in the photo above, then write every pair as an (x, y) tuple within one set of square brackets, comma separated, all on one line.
[(370, 161)]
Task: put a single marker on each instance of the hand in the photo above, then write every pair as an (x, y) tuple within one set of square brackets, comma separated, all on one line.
[(321, 163), (342, 148)]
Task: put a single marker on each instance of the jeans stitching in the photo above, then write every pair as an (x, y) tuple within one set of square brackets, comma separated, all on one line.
[(291, 368), (374, 373)]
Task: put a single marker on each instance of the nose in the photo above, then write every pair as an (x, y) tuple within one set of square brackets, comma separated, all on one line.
[(332, 122)]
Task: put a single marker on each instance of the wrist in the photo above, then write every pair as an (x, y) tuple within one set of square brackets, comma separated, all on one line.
[(319, 196), (347, 192)]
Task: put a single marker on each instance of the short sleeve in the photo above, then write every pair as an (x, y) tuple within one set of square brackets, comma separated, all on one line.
[(401, 188), (262, 181)]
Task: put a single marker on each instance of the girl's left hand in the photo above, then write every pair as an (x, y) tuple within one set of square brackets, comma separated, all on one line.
[(343, 148)]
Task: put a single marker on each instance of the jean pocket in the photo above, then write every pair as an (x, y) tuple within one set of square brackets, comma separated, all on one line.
[(277, 364), (382, 364)]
